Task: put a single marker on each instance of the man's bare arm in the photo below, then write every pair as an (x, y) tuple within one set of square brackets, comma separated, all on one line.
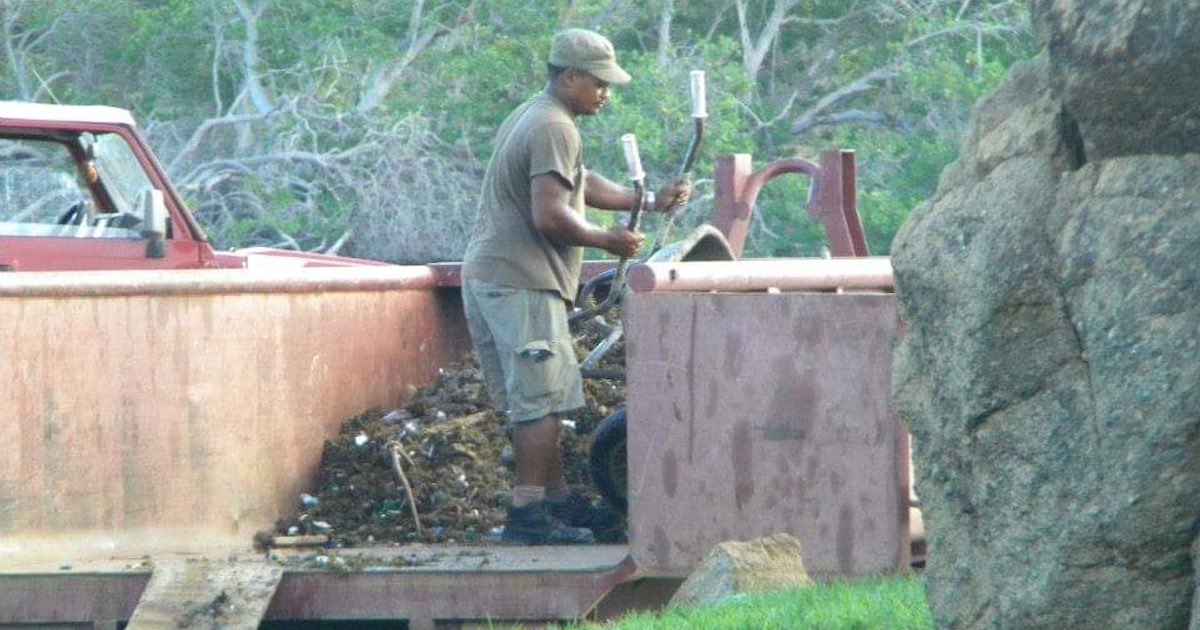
[(606, 194), (553, 217)]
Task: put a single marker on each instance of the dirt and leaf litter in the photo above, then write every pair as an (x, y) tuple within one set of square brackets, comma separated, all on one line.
[(437, 470)]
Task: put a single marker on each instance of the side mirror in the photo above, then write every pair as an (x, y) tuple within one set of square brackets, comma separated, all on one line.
[(153, 208)]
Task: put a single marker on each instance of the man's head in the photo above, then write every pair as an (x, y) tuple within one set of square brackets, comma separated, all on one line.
[(582, 66), (580, 49)]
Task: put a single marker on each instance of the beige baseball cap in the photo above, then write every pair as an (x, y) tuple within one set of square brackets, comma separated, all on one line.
[(586, 50)]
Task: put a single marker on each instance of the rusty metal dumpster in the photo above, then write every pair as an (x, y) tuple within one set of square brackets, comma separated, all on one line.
[(761, 409)]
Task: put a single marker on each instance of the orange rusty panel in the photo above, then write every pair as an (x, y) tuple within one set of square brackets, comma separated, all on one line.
[(753, 414), (172, 419)]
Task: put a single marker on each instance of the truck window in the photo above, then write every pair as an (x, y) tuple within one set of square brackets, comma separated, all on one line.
[(120, 172), (44, 191)]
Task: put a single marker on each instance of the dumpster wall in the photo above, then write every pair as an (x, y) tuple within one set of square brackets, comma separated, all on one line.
[(757, 413), (173, 411)]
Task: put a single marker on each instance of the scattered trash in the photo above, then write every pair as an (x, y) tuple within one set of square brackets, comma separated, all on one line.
[(456, 455), (395, 416), (307, 500)]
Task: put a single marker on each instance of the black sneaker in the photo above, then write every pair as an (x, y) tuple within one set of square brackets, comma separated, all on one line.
[(576, 510), (533, 525)]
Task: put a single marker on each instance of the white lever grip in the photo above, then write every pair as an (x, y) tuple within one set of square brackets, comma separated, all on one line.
[(633, 161), (699, 104)]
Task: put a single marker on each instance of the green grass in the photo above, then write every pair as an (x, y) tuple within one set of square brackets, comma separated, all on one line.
[(874, 604)]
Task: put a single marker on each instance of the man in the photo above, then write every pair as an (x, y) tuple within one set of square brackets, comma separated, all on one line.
[(521, 271)]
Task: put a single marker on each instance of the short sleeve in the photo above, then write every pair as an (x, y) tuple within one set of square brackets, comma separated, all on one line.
[(555, 148)]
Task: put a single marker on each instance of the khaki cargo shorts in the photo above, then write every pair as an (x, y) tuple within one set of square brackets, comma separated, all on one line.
[(525, 349)]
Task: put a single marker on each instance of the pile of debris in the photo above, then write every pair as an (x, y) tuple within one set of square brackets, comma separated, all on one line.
[(437, 470)]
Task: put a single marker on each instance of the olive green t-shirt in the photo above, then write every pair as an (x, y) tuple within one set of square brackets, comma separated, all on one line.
[(538, 138)]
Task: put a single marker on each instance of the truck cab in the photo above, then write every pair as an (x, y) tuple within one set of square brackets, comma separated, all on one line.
[(80, 189)]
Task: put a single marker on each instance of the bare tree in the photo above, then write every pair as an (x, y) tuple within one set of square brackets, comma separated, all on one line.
[(249, 15), (279, 165), (665, 16), (422, 32), (20, 43), (755, 47)]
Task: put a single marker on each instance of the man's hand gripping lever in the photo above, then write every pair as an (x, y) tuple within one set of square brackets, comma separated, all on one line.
[(633, 162), (699, 116)]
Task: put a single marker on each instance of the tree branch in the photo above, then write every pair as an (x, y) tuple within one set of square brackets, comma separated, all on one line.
[(258, 92), (664, 31), (841, 118), (862, 84), (380, 83)]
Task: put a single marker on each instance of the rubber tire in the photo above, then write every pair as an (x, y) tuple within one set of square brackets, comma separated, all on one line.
[(607, 460), (595, 291)]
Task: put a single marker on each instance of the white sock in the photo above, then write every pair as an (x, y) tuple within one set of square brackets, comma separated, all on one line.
[(524, 495), (557, 490)]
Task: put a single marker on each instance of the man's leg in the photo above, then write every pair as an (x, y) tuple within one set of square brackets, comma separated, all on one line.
[(536, 444), (537, 459), (533, 362)]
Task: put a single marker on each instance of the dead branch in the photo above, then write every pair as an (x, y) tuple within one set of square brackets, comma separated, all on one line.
[(756, 47), (379, 84), (665, 15), (396, 449), (862, 84), (841, 118), (19, 43), (250, 62), (204, 130)]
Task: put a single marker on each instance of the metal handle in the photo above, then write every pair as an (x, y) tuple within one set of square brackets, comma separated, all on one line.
[(699, 104), (699, 114), (633, 161)]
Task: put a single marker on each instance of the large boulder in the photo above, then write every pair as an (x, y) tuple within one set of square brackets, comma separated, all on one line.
[(1128, 70), (1051, 367)]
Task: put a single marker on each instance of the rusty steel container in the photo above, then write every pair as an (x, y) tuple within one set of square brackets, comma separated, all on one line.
[(757, 410)]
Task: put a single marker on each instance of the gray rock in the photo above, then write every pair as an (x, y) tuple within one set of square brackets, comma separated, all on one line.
[(1051, 369), (733, 568), (1127, 71)]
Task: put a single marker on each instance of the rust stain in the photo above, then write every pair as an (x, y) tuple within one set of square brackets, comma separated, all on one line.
[(714, 398), (691, 393), (794, 404), (670, 473), (845, 540), (733, 359), (664, 324), (743, 464), (835, 482), (661, 547)]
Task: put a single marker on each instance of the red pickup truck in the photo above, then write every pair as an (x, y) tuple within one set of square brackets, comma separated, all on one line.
[(81, 189)]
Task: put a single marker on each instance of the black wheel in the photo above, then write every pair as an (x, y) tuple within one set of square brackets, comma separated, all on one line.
[(595, 291), (607, 460)]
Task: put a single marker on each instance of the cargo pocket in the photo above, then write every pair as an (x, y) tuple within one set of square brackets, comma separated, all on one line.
[(539, 374)]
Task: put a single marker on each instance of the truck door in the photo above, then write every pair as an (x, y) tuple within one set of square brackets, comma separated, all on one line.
[(77, 201)]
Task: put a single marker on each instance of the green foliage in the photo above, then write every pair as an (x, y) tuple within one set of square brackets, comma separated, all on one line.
[(892, 81)]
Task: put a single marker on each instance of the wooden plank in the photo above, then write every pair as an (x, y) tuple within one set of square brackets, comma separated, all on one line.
[(206, 593)]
